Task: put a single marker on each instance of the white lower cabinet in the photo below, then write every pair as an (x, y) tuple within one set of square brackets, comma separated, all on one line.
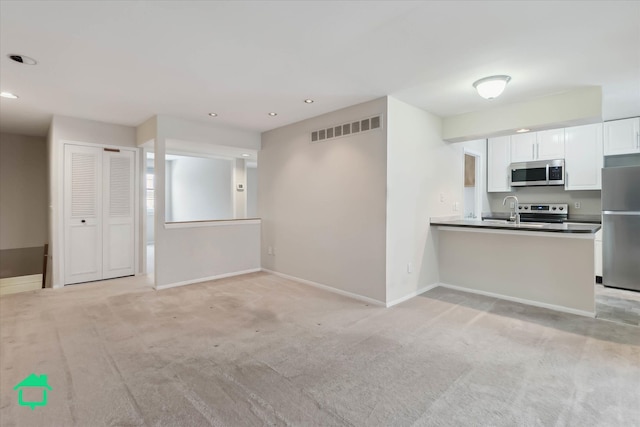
[(583, 157), (99, 226)]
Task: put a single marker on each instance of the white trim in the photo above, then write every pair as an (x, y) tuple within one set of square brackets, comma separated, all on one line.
[(206, 279), (518, 232), (212, 223), (327, 288), (412, 294), (521, 300)]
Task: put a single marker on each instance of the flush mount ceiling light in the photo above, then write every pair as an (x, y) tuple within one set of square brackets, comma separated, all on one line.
[(8, 95), (272, 114), (523, 130), (213, 114), (308, 101), (491, 87), (22, 59)]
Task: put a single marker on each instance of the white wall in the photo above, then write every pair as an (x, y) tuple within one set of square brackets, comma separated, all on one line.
[(186, 255), (69, 129), (200, 189), (425, 177), (252, 192), (469, 203), (323, 205), (23, 191), (239, 197), (571, 108)]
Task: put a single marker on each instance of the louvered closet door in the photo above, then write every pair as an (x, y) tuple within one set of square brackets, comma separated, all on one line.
[(82, 213), (118, 209)]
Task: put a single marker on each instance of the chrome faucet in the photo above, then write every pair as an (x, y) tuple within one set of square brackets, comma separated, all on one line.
[(515, 215)]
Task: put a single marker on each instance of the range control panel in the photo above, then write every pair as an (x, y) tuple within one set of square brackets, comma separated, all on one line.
[(544, 208)]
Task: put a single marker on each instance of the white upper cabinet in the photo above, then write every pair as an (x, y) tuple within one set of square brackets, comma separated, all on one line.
[(622, 136), (498, 160), (523, 147), (543, 145), (550, 144), (583, 157)]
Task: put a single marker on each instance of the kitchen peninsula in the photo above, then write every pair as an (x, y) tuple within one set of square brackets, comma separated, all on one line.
[(547, 265)]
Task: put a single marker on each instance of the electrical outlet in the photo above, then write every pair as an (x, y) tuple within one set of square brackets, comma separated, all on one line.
[(577, 205)]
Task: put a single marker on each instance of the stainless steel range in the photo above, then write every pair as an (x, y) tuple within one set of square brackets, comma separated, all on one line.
[(543, 212)]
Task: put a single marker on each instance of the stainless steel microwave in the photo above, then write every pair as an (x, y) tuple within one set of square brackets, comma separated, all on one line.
[(541, 172)]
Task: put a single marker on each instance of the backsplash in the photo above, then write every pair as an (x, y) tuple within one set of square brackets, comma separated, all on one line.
[(590, 200)]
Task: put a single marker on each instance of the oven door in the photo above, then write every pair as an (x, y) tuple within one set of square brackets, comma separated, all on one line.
[(534, 173)]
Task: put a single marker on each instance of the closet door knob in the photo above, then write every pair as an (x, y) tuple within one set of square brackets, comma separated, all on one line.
[(83, 221)]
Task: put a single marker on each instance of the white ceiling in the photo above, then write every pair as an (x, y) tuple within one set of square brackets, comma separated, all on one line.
[(125, 61)]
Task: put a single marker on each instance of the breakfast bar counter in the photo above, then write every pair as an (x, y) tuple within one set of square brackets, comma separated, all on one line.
[(523, 226), (546, 265)]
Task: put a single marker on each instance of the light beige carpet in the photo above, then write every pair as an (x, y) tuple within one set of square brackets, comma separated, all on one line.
[(261, 350)]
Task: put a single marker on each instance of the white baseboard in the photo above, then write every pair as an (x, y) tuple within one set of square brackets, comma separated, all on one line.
[(13, 285), (328, 288), (521, 300), (412, 294), (206, 279)]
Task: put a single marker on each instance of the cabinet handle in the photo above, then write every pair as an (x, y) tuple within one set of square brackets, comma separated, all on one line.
[(638, 139), (533, 152)]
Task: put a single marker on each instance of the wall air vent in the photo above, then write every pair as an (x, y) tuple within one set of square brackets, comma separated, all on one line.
[(339, 131)]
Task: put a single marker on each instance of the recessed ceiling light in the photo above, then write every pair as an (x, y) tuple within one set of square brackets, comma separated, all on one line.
[(246, 155), (523, 130), (22, 59), (308, 101), (491, 87), (8, 95), (213, 114), (272, 114)]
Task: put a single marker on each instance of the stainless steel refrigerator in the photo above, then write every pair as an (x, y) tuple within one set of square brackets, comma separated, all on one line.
[(621, 227)]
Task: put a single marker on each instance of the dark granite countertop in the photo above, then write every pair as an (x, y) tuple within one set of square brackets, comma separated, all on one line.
[(525, 226), (586, 219)]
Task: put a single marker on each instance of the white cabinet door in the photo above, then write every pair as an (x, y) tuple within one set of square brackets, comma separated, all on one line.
[(98, 213), (498, 160), (550, 144), (523, 147), (82, 214), (622, 136), (118, 214), (583, 157)]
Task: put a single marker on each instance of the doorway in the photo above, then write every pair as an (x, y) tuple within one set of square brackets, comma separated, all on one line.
[(472, 184)]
